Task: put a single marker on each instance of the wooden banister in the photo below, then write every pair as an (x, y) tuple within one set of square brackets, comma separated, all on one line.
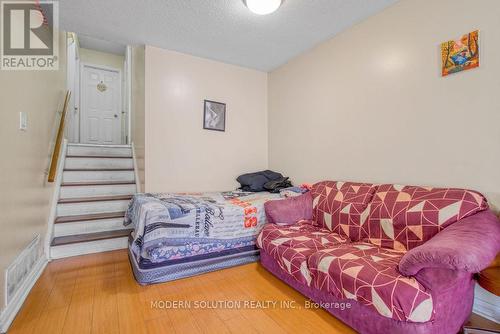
[(60, 136)]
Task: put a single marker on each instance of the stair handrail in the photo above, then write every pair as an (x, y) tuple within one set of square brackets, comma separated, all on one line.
[(59, 138)]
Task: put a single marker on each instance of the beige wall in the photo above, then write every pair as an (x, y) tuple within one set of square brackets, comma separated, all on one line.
[(138, 109), (101, 58), (25, 196), (180, 155), (370, 105)]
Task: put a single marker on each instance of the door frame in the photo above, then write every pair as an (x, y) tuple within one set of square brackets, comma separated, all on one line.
[(128, 93), (120, 98), (73, 85)]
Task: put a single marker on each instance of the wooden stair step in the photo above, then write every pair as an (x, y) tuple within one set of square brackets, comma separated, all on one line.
[(93, 216), (96, 183), (77, 238), (97, 169), (94, 199), (98, 157)]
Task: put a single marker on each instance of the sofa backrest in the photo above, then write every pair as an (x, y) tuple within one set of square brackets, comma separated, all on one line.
[(404, 217), (342, 207), (388, 215)]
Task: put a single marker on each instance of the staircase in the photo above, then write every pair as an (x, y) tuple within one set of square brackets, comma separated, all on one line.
[(97, 185)]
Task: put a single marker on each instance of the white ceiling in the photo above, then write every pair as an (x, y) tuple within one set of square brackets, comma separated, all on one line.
[(92, 43), (223, 30)]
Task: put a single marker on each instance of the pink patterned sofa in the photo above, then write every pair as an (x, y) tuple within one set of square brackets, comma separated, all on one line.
[(398, 259)]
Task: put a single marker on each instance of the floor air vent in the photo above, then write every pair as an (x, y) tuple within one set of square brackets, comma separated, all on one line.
[(21, 267)]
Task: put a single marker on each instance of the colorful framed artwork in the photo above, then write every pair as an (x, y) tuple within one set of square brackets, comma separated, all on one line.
[(214, 116), (461, 54)]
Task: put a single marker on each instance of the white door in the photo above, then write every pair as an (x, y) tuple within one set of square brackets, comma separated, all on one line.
[(101, 105)]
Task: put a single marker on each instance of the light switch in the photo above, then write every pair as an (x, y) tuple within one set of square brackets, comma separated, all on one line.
[(23, 121)]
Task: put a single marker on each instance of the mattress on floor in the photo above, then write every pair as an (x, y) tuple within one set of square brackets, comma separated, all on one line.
[(147, 272), (179, 235)]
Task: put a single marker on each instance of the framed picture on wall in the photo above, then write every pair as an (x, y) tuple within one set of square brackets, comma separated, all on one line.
[(461, 54), (214, 116)]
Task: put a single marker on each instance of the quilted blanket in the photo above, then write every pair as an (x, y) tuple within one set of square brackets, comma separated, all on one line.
[(170, 225)]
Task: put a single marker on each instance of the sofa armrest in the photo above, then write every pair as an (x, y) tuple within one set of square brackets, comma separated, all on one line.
[(440, 279), (289, 211), (468, 245)]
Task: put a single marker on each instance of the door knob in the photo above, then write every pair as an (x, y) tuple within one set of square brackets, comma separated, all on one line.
[(116, 116)]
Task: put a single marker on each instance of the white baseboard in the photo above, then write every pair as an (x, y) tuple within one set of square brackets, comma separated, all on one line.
[(486, 304), (10, 311)]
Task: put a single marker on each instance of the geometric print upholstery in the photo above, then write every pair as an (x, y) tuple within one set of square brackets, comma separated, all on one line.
[(369, 275), (342, 207), (404, 217), (291, 246), (301, 234), (293, 260), (357, 237)]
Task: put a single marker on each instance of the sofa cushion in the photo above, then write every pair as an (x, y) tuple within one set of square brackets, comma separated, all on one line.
[(342, 207), (369, 275), (291, 246), (404, 217), (293, 260), (290, 210), (303, 234)]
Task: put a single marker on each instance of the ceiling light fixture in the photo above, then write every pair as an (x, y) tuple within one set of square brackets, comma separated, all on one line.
[(263, 7)]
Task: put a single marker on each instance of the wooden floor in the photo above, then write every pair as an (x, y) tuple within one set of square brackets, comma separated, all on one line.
[(98, 294)]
